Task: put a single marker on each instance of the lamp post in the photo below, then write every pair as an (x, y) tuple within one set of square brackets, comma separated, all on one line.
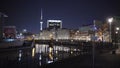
[(110, 20)]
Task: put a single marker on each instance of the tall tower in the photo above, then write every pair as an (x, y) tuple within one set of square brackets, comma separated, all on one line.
[(41, 21)]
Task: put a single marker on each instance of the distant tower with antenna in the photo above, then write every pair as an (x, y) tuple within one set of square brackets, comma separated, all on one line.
[(41, 21)]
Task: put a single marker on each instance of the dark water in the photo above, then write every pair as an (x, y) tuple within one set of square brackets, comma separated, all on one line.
[(28, 57)]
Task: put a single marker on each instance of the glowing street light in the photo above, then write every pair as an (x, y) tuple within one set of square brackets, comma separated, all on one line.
[(116, 32), (110, 20), (117, 28), (117, 37)]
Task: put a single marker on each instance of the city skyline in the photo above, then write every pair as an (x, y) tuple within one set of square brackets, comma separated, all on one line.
[(73, 13)]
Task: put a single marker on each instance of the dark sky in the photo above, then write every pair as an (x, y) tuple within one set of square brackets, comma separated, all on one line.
[(25, 14)]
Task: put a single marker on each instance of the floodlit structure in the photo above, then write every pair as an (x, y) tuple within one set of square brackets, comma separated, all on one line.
[(54, 24), (48, 34), (85, 33), (63, 34)]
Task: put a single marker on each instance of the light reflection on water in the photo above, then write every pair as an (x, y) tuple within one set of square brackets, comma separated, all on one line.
[(20, 55), (39, 55), (33, 52), (52, 54)]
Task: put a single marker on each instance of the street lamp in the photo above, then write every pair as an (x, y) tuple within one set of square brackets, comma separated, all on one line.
[(110, 20), (117, 28), (117, 31)]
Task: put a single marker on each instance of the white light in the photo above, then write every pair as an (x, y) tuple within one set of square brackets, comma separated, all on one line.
[(117, 28), (77, 31), (21, 34), (40, 58), (75, 49), (116, 32), (9, 40), (41, 25), (71, 52), (110, 20), (20, 55), (41, 22), (54, 21), (56, 52), (24, 30), (19, 58), (49, 61)]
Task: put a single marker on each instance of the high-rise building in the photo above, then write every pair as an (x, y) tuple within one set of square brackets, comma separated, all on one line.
[(54, 24)]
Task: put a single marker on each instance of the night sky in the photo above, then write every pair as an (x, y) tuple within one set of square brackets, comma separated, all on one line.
[(25, 14)]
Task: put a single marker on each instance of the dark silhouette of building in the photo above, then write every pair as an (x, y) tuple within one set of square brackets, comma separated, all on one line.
[(2, 16), (9, 32)]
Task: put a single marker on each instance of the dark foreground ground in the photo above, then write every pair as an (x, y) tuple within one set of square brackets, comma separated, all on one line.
[(106, 60), (22, 58)]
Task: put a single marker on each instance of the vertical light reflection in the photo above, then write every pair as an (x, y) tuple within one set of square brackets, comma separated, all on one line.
[(20, 55), (41, 48), (33, 52), (50, 49), (40, 58), (40, 63), (50, 56)]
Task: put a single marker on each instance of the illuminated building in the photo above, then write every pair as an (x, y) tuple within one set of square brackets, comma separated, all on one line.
[(48, 34), (63, 34), (54, 30), (85, 33), (45, 35), (54, 24)]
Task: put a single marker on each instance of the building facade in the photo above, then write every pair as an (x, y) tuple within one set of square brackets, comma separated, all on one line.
[(54, 24), (9, 32), (58, 34)]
